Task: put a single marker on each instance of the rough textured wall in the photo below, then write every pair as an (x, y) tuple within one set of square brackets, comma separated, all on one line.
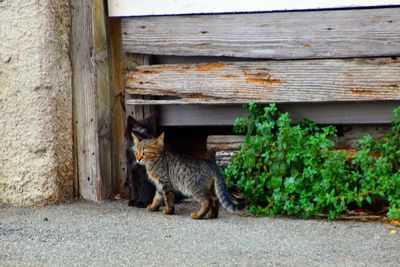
[(36, 162)]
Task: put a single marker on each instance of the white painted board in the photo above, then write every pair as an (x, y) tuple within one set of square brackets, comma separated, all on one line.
[(125, 8)]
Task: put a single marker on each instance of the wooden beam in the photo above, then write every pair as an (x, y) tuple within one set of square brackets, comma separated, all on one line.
[(271, 81), (277, 35), (380, 112), (123, 8), (89, 56), (348, 139), (223, 147)]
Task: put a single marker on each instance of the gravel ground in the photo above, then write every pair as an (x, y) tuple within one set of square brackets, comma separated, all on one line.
[(113, 234)]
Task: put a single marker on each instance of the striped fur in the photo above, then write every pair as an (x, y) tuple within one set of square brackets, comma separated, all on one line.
[(195, 178)]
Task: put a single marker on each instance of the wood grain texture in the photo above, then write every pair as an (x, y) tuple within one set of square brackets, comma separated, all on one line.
[(138, 111), (223, 147), (268, 81), (89, 56), (324, 113), (277, 35), (118, 68)]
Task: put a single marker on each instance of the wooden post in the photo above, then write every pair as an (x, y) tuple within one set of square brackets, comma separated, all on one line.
[(89, 56), (117, 75)]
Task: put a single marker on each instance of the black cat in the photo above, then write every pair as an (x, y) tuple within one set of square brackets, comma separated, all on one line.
[(141, 190)]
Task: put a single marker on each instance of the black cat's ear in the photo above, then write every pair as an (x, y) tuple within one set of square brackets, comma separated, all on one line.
[(136, 139), (131, 122), (153, 116), (159, 141), (152, 120)]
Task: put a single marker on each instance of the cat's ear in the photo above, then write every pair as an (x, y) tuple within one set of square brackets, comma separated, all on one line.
[(153, 116), (131, 122), (136, 139), (152, 120), (159, 141)]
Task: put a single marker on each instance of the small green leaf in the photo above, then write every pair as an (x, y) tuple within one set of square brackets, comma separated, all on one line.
[(275, 182), (369, 199)]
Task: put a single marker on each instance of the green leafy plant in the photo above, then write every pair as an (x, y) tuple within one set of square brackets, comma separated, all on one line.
[(294, 170)]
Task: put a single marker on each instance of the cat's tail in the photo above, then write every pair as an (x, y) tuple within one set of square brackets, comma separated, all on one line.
[(223, 195)]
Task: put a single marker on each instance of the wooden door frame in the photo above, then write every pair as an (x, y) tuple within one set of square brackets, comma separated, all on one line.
[(96, 108)]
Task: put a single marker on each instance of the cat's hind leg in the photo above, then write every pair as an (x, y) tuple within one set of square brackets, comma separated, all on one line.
[(214, 210), (205, 203), (157, 200)]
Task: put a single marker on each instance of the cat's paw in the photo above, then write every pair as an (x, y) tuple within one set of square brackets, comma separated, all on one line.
[(151, 208), (212, 215), (196, 215), (131, 203), (168, 211)]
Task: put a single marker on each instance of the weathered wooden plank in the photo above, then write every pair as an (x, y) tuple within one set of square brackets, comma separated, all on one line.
[(348, 139), (277, 35), (89, 58), (323, 113), (223, 147), (270, 81), (350, 135), (123, 8)]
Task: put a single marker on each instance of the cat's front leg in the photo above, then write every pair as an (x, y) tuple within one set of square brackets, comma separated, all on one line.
[(157, 200), (169, 202)]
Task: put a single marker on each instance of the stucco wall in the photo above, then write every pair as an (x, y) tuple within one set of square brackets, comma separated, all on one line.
[(36, 162)]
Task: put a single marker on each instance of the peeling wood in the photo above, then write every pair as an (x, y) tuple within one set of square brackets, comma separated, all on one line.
[(228, 76), (263, 79), (278, 35), (267, 81), (211, 66)]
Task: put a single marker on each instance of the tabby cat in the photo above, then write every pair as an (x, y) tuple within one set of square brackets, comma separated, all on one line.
[(137, 185), (171, 172)]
